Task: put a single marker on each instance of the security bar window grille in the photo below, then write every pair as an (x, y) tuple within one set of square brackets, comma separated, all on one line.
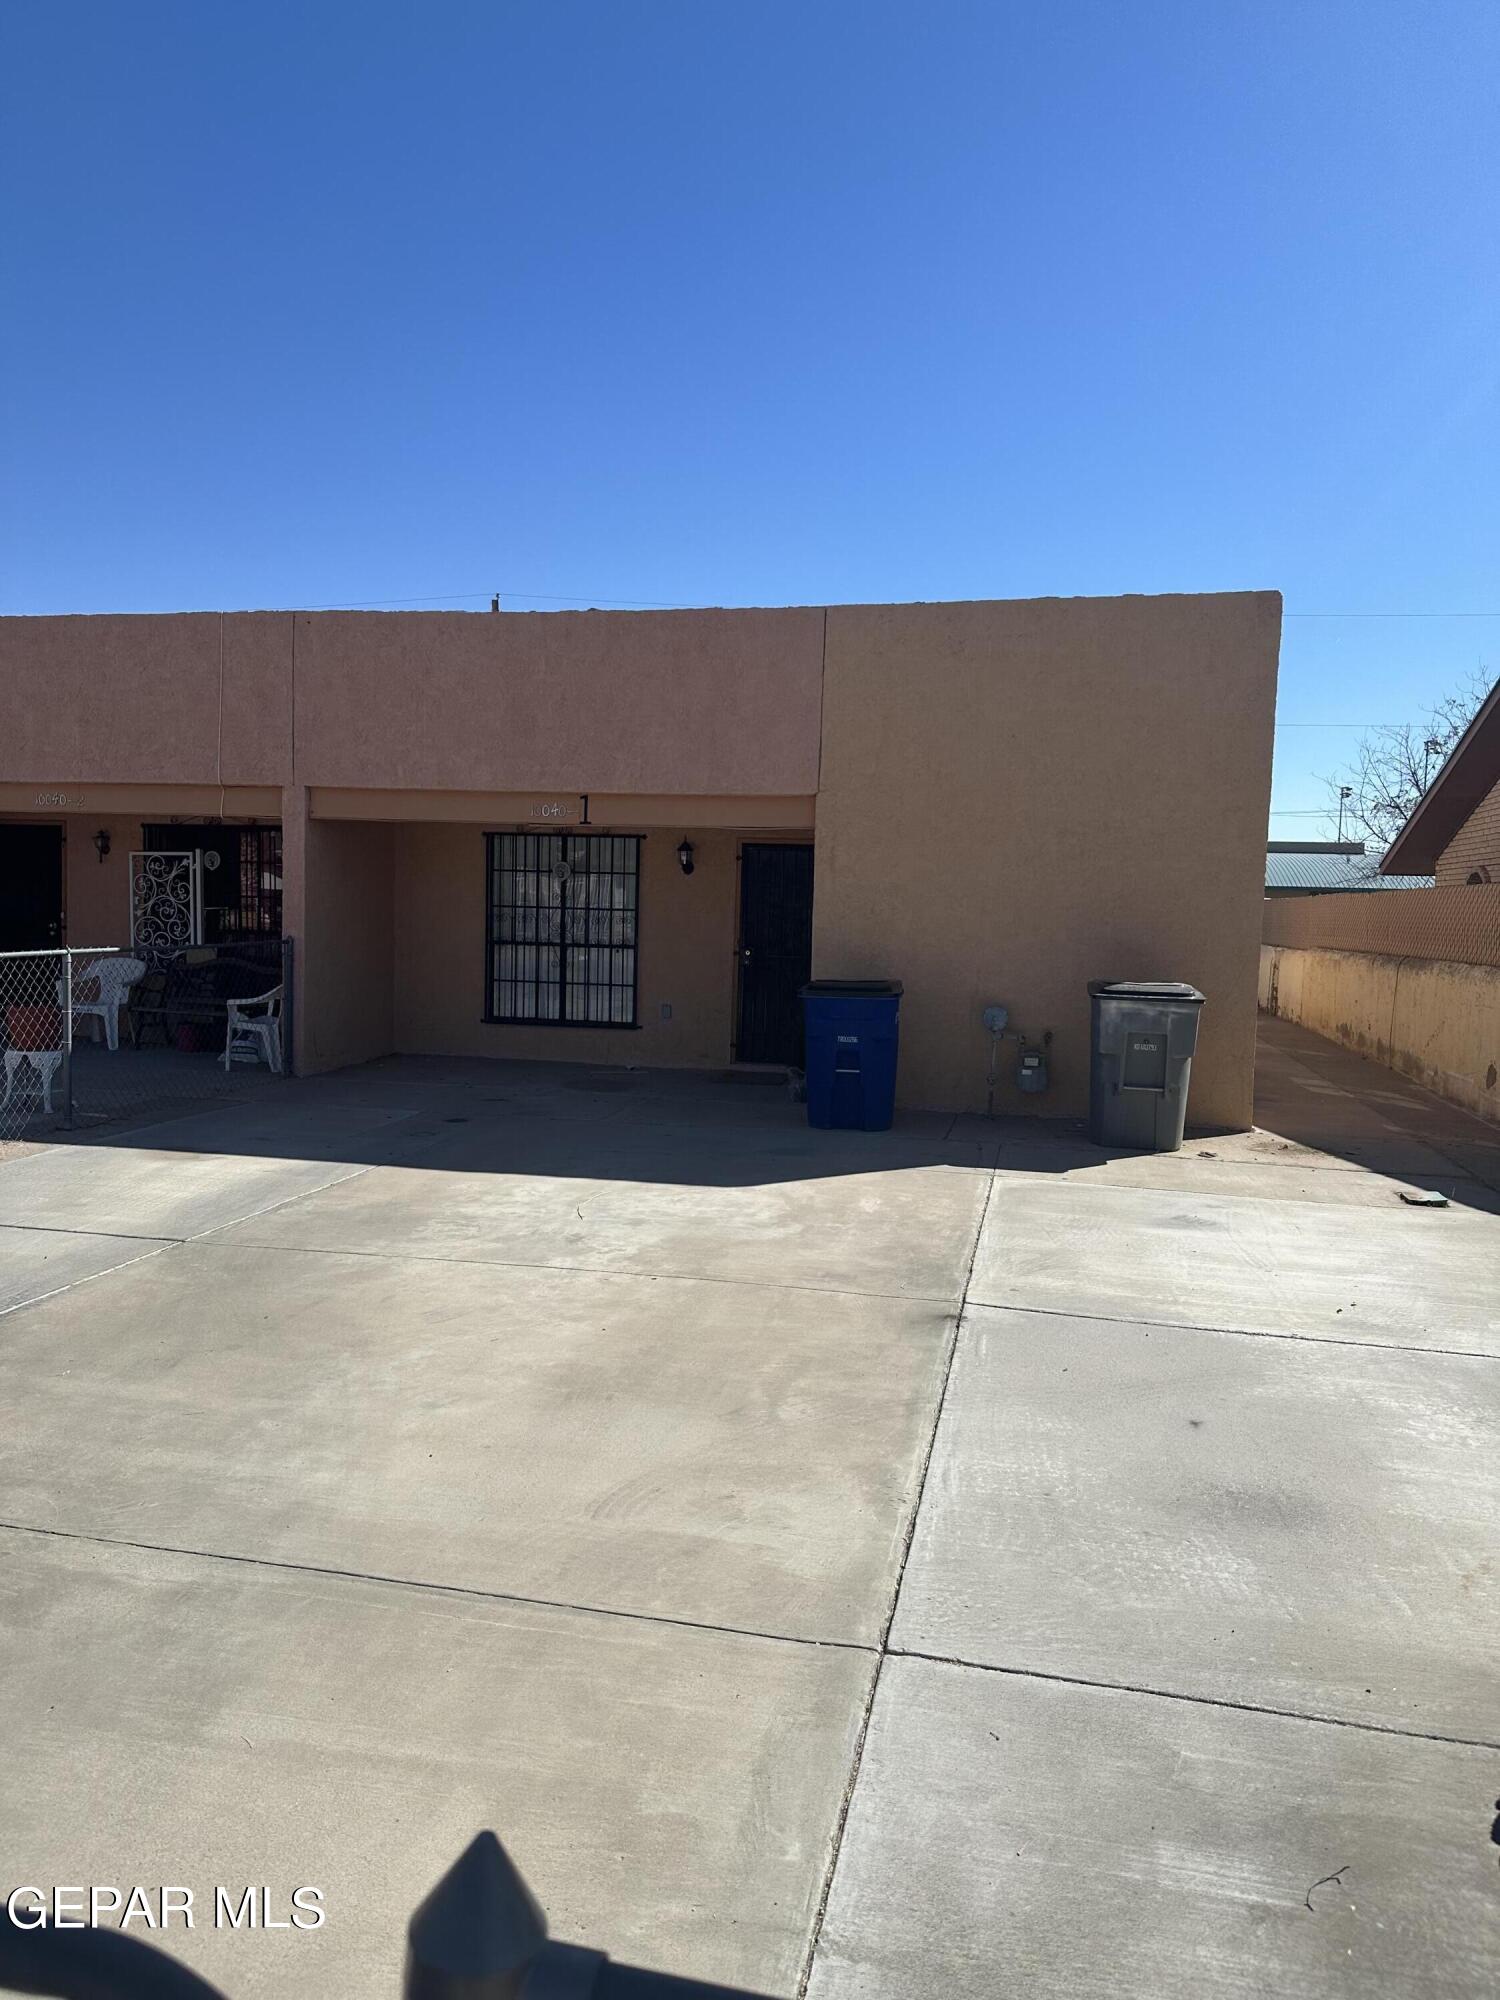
[(562, 921), (241, 875)]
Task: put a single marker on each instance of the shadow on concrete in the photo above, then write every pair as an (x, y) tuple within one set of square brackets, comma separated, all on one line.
[(1319, 1108), (478, 1116)]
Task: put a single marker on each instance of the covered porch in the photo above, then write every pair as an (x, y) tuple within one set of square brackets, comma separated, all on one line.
[(660, 932)]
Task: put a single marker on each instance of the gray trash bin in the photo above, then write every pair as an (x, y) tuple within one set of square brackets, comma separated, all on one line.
[(1140, 1055)]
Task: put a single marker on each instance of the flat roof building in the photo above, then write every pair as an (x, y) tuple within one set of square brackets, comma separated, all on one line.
[(628, 837)]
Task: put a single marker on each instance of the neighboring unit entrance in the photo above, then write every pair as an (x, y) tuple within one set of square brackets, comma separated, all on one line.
[(31, 887), (776, 889), (240, 875)]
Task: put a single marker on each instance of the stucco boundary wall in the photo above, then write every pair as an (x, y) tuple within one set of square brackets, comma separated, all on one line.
[(1435, 1020), (1458, 924)]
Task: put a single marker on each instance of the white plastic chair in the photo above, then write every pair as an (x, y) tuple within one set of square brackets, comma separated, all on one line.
[(255, 1029), (116, 975), (43, 1061)]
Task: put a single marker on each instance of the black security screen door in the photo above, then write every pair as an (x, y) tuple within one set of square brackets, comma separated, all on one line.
[(776, 889), (31, 887)]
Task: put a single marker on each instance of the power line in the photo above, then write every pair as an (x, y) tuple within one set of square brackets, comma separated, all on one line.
[(524, 596), (623, 603), (392, 603), (1391, 614)]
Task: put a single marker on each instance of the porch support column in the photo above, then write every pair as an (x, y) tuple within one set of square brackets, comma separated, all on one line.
[(294, 800), (338, 908)]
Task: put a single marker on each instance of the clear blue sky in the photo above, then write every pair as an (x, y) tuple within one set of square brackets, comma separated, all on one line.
[(685, 302)]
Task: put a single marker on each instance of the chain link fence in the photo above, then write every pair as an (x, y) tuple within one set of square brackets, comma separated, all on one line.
[(94, 1037), (1460, 925)]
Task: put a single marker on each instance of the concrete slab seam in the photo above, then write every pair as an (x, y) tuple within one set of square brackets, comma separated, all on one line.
[(104, 1235), (909, 1536), (1194, 1700), (289, 1568), (1233, 1332), (283, 1201), (160, 1245), (530, 1264)]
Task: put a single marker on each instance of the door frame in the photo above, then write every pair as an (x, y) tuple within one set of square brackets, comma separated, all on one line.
[(795, 837)]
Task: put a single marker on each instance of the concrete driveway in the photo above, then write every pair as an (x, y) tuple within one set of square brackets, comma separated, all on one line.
[(943, 1561)]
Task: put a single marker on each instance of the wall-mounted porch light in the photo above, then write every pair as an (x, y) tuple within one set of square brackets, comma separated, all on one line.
[(685, 855), (101, 843)]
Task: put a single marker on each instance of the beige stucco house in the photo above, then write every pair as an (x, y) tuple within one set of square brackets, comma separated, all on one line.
[(475, 826)]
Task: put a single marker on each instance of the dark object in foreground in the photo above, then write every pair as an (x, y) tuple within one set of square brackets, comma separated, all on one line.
[(93, 1965), (479, 1935)]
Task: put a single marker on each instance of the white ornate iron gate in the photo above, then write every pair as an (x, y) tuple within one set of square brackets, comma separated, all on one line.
[(166, 904)]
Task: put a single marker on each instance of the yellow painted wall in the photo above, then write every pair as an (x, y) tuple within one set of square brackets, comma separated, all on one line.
[(687, 954), (1435, 1021), (1016, 798)]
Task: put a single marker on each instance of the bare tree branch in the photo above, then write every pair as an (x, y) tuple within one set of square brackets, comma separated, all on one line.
[(1394, 765)]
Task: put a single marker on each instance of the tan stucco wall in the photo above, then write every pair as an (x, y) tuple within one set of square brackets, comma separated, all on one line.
[(137, 700), (1019, 797), (1014, 797), (679, 702), (597, 701), (1475, 848), (1433, 1020), (98, 892), (343, 929), (687, 936), (535, 808)]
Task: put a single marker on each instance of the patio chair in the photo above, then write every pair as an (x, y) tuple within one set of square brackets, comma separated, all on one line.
[(43, 1061), (115, 976), (147, 1006), (255, 1029), (34, 1035)]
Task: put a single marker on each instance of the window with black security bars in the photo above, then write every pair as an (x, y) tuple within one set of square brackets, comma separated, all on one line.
[(241, 874), (561, 933)]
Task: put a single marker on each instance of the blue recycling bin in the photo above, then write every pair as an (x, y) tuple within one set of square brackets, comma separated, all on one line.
[(852, 1030)]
